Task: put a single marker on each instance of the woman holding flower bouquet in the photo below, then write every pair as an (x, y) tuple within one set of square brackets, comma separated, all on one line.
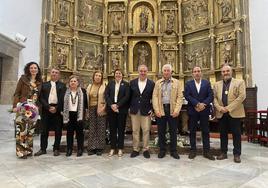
[(75, 105), (25, 106)]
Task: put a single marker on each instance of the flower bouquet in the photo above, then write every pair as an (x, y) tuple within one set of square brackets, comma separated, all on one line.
[(27, 111)]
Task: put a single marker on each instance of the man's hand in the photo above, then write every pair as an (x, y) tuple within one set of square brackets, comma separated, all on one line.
[(223, 110), (158, 114), (175, 114), (114, 107)]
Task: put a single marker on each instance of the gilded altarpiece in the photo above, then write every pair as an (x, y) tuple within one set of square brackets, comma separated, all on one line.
[(81, 36)]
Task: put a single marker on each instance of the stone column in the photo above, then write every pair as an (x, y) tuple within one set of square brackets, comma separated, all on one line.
[(105, 59), (125, 46), (159, 43)]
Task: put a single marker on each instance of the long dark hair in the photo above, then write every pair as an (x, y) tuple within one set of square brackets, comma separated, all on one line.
[(27, 71)]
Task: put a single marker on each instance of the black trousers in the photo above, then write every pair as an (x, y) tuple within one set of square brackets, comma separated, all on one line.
[(117, 125), (234, 125), (76, 126), (194, 121), (172, 128), (51, 122)]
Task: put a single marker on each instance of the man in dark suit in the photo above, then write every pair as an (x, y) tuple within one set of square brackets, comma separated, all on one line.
[(117, 99), (141, 91), (199, 95), (51, 99)]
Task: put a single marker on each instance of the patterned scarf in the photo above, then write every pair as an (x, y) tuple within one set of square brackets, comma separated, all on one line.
[(80, 105)]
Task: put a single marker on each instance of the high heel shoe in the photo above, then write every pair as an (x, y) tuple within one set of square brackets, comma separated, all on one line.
[(111, 153)]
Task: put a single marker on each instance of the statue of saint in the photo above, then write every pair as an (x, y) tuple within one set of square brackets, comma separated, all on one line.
[(62, 56), (143, 53), (115, 61), (85, 61), (226, 8), (116, 24), (144, 21), (63, 13), (170, 23)]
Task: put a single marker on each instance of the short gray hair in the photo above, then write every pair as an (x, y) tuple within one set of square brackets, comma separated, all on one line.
[(169, 66), (143, 66)]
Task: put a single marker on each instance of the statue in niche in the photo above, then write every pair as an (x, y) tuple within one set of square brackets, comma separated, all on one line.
[(88, 11), (170, 22), (144, 15), (62, 53), (115, 61), (204, 54), (63, 13), (226, 8), (227, 53), (143, 53), (170, 59), (116, 24)]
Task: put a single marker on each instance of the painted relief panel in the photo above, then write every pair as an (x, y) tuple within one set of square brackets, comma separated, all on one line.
[(195, 15), (89, 56), (90, 16), (197, 53)]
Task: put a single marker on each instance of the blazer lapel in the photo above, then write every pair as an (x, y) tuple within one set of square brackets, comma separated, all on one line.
[(220, 90)]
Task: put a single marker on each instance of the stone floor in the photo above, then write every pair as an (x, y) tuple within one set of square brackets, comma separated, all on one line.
[(93, 171)]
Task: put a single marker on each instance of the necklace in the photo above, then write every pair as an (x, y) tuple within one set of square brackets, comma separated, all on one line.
[(73, 99), (226, 88)]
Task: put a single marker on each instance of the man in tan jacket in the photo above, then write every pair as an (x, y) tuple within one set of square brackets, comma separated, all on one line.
[(229, 95), (167, 102)]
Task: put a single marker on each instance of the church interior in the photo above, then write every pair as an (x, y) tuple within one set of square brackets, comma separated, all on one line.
[(82, 36)]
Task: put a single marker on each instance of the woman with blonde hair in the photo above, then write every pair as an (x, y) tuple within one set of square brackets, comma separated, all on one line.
[(97, 114)]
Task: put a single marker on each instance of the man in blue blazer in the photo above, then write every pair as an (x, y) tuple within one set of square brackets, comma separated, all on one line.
[(199, 95), (141, 91)]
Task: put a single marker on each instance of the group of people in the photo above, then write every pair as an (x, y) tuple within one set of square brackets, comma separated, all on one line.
[(141, 98)]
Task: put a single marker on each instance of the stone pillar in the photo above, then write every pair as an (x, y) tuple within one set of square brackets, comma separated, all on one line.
[(125, 46), (159, 43), (105, 59)]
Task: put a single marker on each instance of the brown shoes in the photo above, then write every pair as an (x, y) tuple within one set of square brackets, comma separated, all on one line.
[(209, 156), (222, 156), (192, 154), (237, 159), (40, 152)]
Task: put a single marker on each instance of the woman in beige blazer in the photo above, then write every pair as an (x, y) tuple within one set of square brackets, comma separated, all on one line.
[(97, 114)]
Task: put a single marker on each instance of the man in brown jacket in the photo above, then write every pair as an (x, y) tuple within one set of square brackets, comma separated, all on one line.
[(229, 95), (167, 102)]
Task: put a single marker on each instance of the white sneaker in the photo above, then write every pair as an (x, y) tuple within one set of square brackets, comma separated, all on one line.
[(111, 153), (120, 153)]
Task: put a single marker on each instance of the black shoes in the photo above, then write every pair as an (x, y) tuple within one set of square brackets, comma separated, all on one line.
[(222, 156), (134, 154), (56, 152), (146, 154), (161, 154), (40, 152), (99, 152), (175, 155), (91, 152), (237, 159), (69, 152), (209, 156), (79, 153), (192, 154)]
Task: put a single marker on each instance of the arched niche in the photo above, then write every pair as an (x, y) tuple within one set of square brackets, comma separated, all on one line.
[(142, 54)]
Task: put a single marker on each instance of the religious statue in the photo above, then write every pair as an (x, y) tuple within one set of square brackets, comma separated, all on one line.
[(116, 24), (63, 12), (115, 61), (88, 11), (227, 53), (226, 8), (170, 23), (170, 59), (189, 61), (143, 53), (144, 20), (62, 56)]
